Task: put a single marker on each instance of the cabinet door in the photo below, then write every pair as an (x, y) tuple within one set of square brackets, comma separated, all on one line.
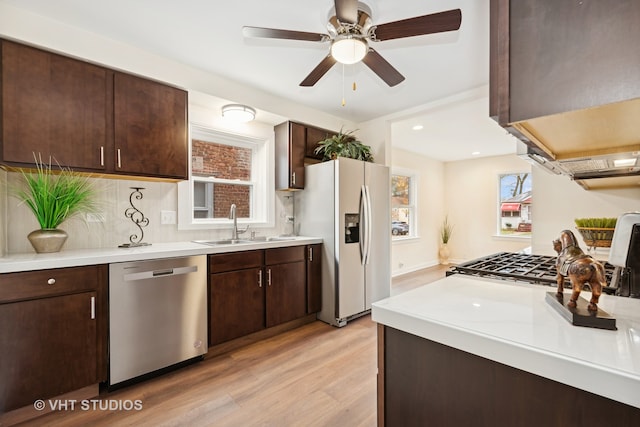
[(286, 296), (53, 106), (47, 348), (150, 122), (314, 278), (236, 303), (296, 156)]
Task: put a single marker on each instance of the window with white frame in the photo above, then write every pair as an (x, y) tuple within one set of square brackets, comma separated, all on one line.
[(514, 205), (226, 169), (403, 204)]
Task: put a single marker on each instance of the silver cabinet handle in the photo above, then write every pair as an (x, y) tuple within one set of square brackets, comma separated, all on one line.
[(51, 281), (119, 158), (310, 254), (101, 155), (93, 307), (293, 178), (269, 276), (259, 278)]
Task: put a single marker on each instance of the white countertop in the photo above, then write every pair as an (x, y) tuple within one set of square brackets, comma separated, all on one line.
[(79, 257), (512, 324)]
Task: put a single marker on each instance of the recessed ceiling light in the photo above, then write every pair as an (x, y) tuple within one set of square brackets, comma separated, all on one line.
[(620, 163), (418, 127), (475, 153)]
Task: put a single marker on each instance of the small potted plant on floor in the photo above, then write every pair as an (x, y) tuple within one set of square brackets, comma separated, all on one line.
[(445, 235), (53, 195)]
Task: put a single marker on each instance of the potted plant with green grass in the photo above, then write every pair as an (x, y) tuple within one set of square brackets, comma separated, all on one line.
[(53, 195), (446, 230), (344, 144)]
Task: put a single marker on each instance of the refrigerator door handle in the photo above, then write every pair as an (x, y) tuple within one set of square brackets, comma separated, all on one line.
[(367, 224), (363, 224)]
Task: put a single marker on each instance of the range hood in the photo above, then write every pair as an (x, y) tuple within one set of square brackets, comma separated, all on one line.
[(599, 147)]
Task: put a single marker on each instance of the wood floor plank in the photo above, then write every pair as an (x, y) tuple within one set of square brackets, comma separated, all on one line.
[(315, 375)]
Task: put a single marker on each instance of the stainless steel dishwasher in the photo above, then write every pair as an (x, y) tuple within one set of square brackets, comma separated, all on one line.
[(157, 315)]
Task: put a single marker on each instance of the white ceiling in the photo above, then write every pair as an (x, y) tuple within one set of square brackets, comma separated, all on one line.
[(207, 34)]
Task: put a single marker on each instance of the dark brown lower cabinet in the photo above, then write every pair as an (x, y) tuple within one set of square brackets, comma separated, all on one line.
[(253, 290), (314, 278), (425, 383), (52, 333), (286, 293), (236, 304)]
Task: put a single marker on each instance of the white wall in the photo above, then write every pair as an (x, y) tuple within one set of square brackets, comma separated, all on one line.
[(420, 252), (558, 201), (471, 200)]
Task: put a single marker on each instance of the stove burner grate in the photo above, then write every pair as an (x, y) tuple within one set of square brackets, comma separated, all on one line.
[(535, 269)]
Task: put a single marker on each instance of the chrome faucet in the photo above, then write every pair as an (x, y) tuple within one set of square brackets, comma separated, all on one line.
[(233, 216)]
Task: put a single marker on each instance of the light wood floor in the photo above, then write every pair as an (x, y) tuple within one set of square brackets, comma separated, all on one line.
[(315, 375)]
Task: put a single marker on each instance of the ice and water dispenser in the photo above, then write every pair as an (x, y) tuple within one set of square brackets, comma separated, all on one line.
[(351, 228)]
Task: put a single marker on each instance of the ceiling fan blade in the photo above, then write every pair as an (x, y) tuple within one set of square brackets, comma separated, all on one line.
[(382, 68), (347, 11), (320, 70), (427, 24), (273, 33)]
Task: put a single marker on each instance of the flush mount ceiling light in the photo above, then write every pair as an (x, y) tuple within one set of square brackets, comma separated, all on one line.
[(418, 127), (347, 49), (238, 113)]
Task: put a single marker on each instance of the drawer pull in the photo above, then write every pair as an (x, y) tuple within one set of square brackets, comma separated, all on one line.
[(259, 278), (51, 281)]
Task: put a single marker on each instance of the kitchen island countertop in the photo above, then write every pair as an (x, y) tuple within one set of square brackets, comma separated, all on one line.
[(79, 257), (511, 323)]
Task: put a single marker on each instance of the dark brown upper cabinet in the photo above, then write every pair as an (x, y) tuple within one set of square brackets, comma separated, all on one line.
[(295, 147), (88, 117), (53, 106), (564, 75), (150, 128)]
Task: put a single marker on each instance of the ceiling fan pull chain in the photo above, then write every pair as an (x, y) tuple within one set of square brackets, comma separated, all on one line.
[(343, 100)]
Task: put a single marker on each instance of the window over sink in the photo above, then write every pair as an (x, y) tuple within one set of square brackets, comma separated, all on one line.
[(226, 169)]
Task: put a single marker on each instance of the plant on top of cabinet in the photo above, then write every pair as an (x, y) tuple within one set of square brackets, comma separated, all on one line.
[(53, 197), (344, 144)]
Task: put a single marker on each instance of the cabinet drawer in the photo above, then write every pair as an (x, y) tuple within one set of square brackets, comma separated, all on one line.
[(219, 263), (41, 283), (284, 255)]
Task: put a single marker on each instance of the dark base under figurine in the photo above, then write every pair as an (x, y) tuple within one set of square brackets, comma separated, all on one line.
[(581, 316), (133, 245)]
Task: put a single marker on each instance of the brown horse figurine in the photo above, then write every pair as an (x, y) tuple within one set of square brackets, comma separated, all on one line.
[(580, 268)]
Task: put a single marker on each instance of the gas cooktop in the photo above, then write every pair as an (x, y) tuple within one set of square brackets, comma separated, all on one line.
[(535, 269)]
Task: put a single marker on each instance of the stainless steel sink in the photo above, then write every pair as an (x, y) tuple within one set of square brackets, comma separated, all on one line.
[(222, 242)]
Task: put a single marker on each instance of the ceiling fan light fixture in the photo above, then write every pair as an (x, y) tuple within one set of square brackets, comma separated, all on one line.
[(238, 113), (347, 49)]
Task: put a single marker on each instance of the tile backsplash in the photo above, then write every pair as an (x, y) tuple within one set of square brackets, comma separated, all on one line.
[(111, 227)]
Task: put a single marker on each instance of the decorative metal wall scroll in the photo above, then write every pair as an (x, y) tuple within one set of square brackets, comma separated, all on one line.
[(137, 217)]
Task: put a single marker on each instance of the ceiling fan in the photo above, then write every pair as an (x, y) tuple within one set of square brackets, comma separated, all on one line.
[(351, 32)]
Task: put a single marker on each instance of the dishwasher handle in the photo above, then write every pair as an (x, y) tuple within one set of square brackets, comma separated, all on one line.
[(156, 274)]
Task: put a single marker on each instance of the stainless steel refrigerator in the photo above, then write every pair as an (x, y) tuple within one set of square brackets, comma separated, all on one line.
[(347, 203)]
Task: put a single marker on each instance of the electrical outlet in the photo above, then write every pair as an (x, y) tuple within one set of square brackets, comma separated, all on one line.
[(167, 217)]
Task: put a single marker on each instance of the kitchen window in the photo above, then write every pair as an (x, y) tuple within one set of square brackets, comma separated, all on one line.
[(514, 206), (226, 169), (403, 204)]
